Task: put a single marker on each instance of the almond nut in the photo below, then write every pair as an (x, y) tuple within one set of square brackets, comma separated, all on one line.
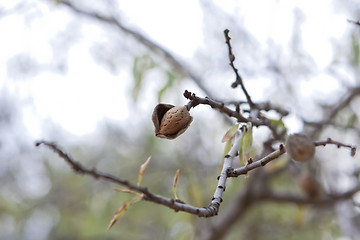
[(300, 147), (170, 121)]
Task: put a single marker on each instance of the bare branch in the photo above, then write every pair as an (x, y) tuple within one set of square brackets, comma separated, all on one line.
[(259, 163), (228, 159), (342, 103), (195, 100), (327, 199), (338, 144), (263, 106), (354, 22), (276, 154), (238, 80), (174, 204), (261, 121), (148, 196)]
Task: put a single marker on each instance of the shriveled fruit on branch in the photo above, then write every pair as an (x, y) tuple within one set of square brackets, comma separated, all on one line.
[(299, 147), (170, 121), (310, 185)]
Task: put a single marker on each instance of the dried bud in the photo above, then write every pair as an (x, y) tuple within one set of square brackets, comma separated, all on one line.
[(170, 121), (300, 147)]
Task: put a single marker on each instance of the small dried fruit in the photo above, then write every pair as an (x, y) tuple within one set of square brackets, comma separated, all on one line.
[(170, 121), (310, 185), (300, 147)]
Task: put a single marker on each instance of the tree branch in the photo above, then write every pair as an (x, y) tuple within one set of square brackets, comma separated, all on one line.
[(141, 38), (342, 103), (195, 100), (354, 22), (178, 205), (174, 204), (255, 120), (227, 167), (259, 163), (238, 80), (326, 200), (338, 144), (148, 196)]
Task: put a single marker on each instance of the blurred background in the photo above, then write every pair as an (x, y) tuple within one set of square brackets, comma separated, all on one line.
[(88, 75)]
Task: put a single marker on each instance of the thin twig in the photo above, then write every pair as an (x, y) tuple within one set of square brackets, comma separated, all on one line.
[(174, 204), (327, 199), (261, 121), (147, 195), (227, 168), (337, 143), (177, 205), (263, 106), (352, 21), (276, 154), (238, 80), (259, 163), (329, 119), (195, 100)]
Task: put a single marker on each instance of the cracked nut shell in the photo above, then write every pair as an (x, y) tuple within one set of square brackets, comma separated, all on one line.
[(170, 121), (300, 147)]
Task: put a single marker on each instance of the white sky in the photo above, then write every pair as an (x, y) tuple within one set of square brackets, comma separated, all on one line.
[(64, 100)]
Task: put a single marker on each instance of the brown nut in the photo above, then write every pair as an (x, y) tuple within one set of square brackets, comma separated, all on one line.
[(170, 121), (300, 147)]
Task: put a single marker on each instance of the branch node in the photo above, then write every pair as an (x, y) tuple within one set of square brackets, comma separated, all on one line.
[(353, 151), (281, 147)]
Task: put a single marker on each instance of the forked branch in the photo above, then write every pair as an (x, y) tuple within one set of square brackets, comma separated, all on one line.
[(227, 171)]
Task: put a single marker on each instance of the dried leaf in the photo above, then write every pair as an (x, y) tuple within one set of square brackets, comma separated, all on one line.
[(124, 190), (121, 210), (230, 133), (142, 170), (175, 182)]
